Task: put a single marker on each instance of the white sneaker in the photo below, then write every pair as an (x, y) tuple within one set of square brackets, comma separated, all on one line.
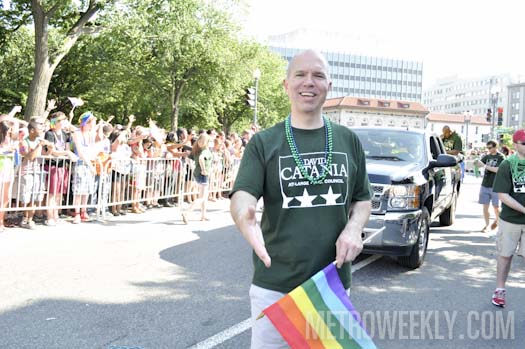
[(28, 225)]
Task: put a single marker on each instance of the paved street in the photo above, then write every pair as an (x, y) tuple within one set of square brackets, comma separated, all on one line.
[(148, 281)]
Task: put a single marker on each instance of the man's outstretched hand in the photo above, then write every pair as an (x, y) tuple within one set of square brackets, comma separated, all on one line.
[(253, 234), (242, 209)]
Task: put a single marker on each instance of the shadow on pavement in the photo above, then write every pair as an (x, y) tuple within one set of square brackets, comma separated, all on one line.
[(204, 297), (463, 265)]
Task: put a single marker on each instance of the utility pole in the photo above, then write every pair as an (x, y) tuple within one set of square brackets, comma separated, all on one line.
[(494, 93), (256, 76)]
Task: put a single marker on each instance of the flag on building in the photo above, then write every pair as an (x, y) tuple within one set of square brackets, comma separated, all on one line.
[(318, 314)]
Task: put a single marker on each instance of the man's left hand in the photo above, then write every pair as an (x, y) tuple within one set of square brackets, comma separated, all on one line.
[(348, 246)]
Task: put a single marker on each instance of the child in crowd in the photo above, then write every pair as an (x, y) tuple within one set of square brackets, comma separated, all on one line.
[(32, 183), (58, 167), (7, 148), (84, 173)]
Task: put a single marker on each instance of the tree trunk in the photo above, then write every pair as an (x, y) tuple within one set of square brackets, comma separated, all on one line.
[(174, 117), (45, 63), (176, 93), (36, 100), (225, 123)]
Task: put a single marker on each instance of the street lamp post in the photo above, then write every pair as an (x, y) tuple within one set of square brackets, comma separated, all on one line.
[(256, 76), (494, 93), (467, 117)]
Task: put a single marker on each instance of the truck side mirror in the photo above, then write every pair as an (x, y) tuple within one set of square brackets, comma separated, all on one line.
[(444, 160)]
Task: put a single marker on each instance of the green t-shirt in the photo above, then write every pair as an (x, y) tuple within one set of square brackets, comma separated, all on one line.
[(301, 222), (493, 161), (453, 142), (504, 183), (206, 154)]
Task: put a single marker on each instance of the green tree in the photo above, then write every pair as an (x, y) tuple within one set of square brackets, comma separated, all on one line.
[(16, 68), (182, 43), (272, 104), (148, 62), (57, 26)]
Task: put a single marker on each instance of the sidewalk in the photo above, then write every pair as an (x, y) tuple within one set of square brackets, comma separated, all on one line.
[(218, 212)]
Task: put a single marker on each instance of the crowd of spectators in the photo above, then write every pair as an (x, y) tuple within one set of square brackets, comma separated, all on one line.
[(52, 168)]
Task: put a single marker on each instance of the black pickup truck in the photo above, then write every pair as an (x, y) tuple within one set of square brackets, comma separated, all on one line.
[(414, 182)]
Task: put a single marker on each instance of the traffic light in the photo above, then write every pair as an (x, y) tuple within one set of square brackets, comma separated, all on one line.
[(250, 97), (489, 115), (500, 116)]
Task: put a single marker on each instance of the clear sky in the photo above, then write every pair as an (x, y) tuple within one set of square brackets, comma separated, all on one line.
[(451, 37)]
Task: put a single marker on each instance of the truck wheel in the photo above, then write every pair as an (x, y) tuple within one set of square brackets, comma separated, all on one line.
[(417, 256), (449, 215)]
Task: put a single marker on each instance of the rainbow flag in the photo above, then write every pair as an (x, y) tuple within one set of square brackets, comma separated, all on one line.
[(318, 314)]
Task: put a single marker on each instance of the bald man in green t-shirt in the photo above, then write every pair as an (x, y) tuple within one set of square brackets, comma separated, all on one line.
[(452, 141), (312, 177)]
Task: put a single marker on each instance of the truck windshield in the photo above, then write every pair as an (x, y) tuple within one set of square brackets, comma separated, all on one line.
[(393, 145)]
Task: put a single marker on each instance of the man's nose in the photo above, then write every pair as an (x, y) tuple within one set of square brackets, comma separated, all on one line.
[(308, 80)]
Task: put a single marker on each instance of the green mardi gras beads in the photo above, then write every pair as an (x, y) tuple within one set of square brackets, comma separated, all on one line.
[(299, 160)]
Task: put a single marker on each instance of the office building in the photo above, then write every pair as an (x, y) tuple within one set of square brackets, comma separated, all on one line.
[(516, 105), (355, 74), (456, 95)]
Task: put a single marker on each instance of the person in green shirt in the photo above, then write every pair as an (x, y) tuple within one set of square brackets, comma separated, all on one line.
[(510, 184), (312, 177), (451, 141), (490, 162), (454, 146)]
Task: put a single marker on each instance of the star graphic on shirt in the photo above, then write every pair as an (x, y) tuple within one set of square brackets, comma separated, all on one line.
[(306, 200), (286, 201), (330, 197)]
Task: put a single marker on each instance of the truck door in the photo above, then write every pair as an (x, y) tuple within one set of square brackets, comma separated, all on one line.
[(450, 182), (439, 176)]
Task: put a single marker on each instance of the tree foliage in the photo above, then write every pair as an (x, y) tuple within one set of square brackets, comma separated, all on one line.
[(57, 26), (16, 68), (180, 62)]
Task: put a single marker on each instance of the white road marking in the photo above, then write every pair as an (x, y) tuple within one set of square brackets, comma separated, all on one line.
[(365, 262), (225, 335), (233, 331)]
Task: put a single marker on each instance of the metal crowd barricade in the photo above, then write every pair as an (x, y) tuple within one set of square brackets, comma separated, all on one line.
[(115, 183)]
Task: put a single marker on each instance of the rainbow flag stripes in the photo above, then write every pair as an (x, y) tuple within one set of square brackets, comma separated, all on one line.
[(318, 315)]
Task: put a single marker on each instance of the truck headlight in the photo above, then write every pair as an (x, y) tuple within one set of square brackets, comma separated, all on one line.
[(404, 197)]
